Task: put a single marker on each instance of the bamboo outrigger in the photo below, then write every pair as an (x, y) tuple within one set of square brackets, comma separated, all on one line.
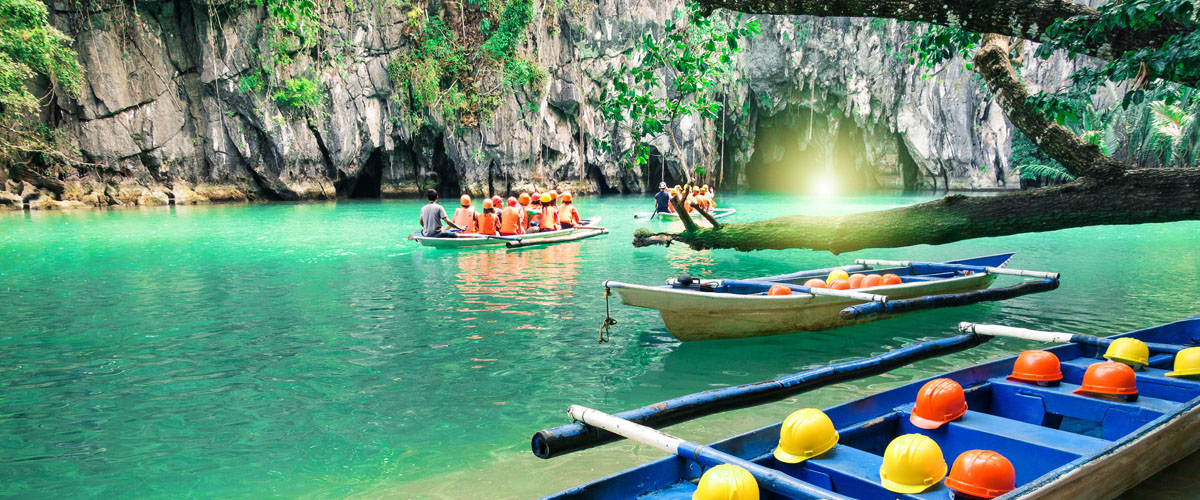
[(1063, 444), (726, 309)]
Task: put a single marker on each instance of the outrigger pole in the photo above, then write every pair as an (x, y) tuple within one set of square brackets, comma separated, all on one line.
[(768, 479), (565, 439), (1056, 337)]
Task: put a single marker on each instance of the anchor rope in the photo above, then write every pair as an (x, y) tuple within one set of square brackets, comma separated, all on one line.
[(608, 319)]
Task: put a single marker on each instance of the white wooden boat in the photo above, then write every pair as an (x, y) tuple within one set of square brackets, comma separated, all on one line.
[(717, 213), (471, 240), (728, 309)]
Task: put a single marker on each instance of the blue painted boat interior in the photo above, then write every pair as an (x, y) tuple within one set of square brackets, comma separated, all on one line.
[(907, 274), (1044, 431)]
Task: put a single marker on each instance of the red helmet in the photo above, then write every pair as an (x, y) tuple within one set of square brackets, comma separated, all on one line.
[(512, 202), (1109, 377), (982, 474), (779, 290), (1037, 366), (939, 401), (497, 201)]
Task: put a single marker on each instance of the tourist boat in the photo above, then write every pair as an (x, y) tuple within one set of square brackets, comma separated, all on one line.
[(717, 213), (1063, 445), (588, 228), (728, 309)]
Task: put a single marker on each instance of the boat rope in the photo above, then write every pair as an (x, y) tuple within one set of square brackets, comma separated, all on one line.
[(608, 319)]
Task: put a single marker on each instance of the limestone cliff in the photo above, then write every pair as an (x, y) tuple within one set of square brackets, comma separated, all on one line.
[(166, 117)]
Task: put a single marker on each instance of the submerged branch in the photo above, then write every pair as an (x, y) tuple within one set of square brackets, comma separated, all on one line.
[(1136, 197)]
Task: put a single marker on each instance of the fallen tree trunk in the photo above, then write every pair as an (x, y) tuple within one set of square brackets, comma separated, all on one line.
[(1135, 197)]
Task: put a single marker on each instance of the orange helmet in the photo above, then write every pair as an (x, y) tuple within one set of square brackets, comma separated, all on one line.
[(982, 474), (523, 199), (566, 197), (779, 290), (553, 195), (1037, 366), (1109, 377), (465, 200), (487, 204), (939, 401), (512, 202)]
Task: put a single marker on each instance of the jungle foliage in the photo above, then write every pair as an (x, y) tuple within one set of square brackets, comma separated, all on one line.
[(671, 75), (30, 47), (460, 71)]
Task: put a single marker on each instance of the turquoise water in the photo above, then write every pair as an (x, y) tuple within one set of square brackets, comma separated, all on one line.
[(308, 350)]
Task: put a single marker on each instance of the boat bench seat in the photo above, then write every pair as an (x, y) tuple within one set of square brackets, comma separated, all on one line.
[(1152, 382), (1019, 401), (1035, 449), (848, 471)]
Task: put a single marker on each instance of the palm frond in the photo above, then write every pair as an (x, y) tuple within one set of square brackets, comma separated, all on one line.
[(1036, 171)]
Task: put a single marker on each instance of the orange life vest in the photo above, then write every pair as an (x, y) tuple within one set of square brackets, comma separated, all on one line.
[(569, 214), (549, 218), (510, 221), (465, 218), (488, 223)]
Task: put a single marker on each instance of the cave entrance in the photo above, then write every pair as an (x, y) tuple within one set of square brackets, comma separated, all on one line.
[(368, 182), (798, 151), (910, 174)]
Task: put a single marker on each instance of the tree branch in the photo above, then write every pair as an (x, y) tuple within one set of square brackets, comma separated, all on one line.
[(1078, 156), (1138, 196), (1020, 18)]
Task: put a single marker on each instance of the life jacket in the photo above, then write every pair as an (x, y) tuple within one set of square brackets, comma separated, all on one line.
[(549, 218), (465, 218), (510, 221), (569, 214), (488, 223)]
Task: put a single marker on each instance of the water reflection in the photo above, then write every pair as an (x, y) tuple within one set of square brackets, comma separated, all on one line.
[(501, 280)]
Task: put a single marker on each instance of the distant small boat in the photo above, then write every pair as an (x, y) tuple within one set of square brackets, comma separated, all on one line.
[(717, 213), (1062, 444), (471, 240), (729, 309)]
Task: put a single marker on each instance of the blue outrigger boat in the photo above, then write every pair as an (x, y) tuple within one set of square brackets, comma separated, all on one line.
[(1063, 445)]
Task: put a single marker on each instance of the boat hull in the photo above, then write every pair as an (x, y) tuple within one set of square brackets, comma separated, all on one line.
[(719, 213), (692, 315), (466, 242), (1104, 448)]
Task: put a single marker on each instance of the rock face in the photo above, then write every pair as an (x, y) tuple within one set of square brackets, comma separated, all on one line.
[(166, 114)]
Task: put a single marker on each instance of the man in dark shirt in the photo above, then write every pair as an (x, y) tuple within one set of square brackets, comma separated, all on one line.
[(432, 216), (662, 198)]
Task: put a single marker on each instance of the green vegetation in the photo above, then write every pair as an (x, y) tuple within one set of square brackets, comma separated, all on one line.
[(30, 47), (1031, 163), (696, 55), (461, 71), (300, 94)]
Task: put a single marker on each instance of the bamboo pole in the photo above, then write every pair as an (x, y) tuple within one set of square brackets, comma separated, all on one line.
[(988, 269), (769, 479)]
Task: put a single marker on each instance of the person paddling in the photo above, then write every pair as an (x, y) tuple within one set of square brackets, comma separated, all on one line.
[(464, 216), (568, 216), (662, 200), (511, 219), (432, 217), (488, 222)]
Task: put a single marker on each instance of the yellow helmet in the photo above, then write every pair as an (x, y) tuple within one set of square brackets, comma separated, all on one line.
[(1130, 351), (837, 274), (805, 434), (1187, 363), (912, 463), (726, 482), (545, 198)]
